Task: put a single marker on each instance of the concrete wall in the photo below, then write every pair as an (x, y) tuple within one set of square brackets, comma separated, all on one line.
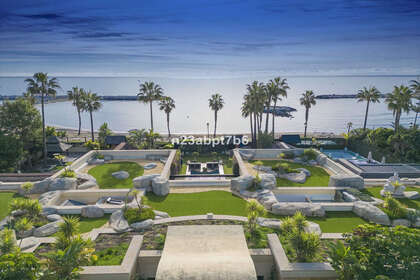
[(261, 154), (290, 271), (238, 159), (191, 183)]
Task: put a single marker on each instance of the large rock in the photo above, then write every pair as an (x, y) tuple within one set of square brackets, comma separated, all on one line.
[(96, 161), (28, 242), (144, 181), (160, 186), (120, 175), (92, 211), (26, 233), (321, 159), (353, 181), (41, 186), (262, 168), (161, 214), (270, 223), (118, 222), (64, 183), (54, 218), (304, 170), (371, 213), (290, 208), (47, 230), (267, 199), (87, 185), (147, 224), (5, 222), (85, 177), (268, 181), (295, 177), (401, 222), (313, 228), (48, 197), (241, 183), (150, 166)]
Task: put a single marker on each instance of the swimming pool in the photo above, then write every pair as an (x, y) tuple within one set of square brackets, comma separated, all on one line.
[(345, 154)]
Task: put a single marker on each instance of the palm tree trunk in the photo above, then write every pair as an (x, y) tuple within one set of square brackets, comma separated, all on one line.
[(91, 126), (255, 130), (397, 121), (306, 120), (266, 117), (275, 103), (366, 115), (167, 123), (215, 122), (415, 120), (44, 138), (80, 120), (250, 123), (151, 115)]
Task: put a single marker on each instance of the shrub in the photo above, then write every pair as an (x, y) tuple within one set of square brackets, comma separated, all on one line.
[(30, 207), (68, 173), (99, 156), (7, 241), (92, 145), (283, 167), (265, 140), (287, 155), (254, 211), (393, 208), (310, 154), (134, 215), (169, 146)]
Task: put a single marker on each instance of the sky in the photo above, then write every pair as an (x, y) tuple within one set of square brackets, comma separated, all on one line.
[(209, 38)]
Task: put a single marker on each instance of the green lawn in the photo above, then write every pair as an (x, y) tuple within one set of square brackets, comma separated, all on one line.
[(227, 166), (87, 224), (224, 203), (5, 198), (319, 177), (102, 174), (184, 204), (410, 203)]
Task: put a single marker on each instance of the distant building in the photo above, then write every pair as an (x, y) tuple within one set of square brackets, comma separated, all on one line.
[(115, 140), (54, 145)]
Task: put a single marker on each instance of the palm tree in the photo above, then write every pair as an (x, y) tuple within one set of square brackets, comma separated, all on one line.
[(75, 95), (416, 109), (415, 87), (246, 112), (136, 137), (151, 137), (91, 103), (307, 100), (167, 104), (149, 92), (280, 91), (216, 103), (399, 100), (41, 84), (370, 94), (255, 98)]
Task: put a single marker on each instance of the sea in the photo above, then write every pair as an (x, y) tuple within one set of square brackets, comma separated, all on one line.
[(192, 113)]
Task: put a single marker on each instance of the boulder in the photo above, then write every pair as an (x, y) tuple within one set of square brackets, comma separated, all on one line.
[(371, 213), (47, 230), (26, 233), (147, 224), (248, 194), (417, 223), (96, 161), (87, 185), (118, 222), (47, 197), (144, 181), (321, 159), (92, 211), (313, 228), (353, 181), (290, 208), (48, 211), (17, 213), (267, 200), (262, 168), (270, 223), (150, 166), (313, 162), (348, 197), (120, 175), (64, 183), (5, 222), (85, 177), (241, 183), (268, 181), (304, 170), (160, 186), (41, 186), (295, 177), (161, 214), (54, 218), (401, 222), (28, 242)]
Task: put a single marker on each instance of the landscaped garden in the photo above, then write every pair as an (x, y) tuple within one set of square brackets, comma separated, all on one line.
[(103, 174), (319, 177), (227, 161), (410, 203)]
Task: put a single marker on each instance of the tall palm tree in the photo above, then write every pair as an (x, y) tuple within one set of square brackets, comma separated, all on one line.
[(91, 103), (246, 112), (167, 104), (416, 109), (41, 84), (280, 91), (370, 94), (307, 100), (399, 100), (149, 92), (75, 95), (256, 97), (216, 103), (415, 87)]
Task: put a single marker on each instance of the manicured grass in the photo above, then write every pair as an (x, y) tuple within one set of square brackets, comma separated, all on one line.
[(5, 198), (338, 221), (227, 166), (87, 224), (185, 204), (102, 174), (112, 256), (410, 203), (224, 203), (319, 177)]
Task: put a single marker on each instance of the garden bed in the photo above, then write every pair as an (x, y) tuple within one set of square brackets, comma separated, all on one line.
[(319, 177), (409, 203), (103, 174), (227, 161)]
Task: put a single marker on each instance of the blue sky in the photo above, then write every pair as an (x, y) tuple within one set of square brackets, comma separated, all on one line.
[(210, 38)]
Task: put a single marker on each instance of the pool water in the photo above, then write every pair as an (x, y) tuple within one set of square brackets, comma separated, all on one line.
[(344, 154)]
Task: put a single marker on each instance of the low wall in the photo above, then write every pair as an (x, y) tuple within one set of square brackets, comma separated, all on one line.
[(293, 271), (191, 183), (261, 154), (243, 171), (23, 177)]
